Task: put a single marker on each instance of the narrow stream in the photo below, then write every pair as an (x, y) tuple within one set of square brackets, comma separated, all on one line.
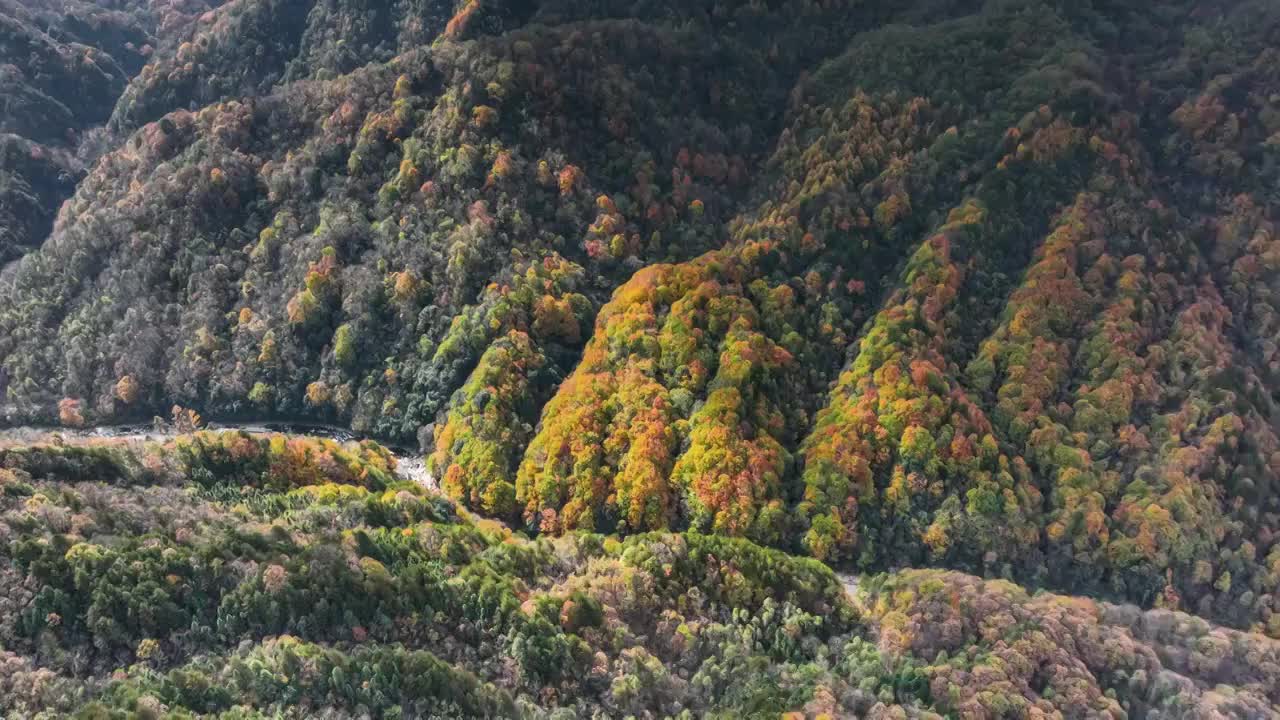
[(410, 464)]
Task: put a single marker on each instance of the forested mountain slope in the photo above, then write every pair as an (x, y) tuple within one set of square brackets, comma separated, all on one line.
[(238, 576), (248, 47), (982, 286), (63, 64)]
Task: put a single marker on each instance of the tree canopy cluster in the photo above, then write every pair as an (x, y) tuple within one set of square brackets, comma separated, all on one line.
[(242, 576)]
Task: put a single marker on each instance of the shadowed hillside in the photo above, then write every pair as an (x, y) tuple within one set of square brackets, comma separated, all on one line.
[(63, 64)]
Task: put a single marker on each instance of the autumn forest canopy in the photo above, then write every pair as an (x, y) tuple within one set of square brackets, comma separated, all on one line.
[(686, 304)]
